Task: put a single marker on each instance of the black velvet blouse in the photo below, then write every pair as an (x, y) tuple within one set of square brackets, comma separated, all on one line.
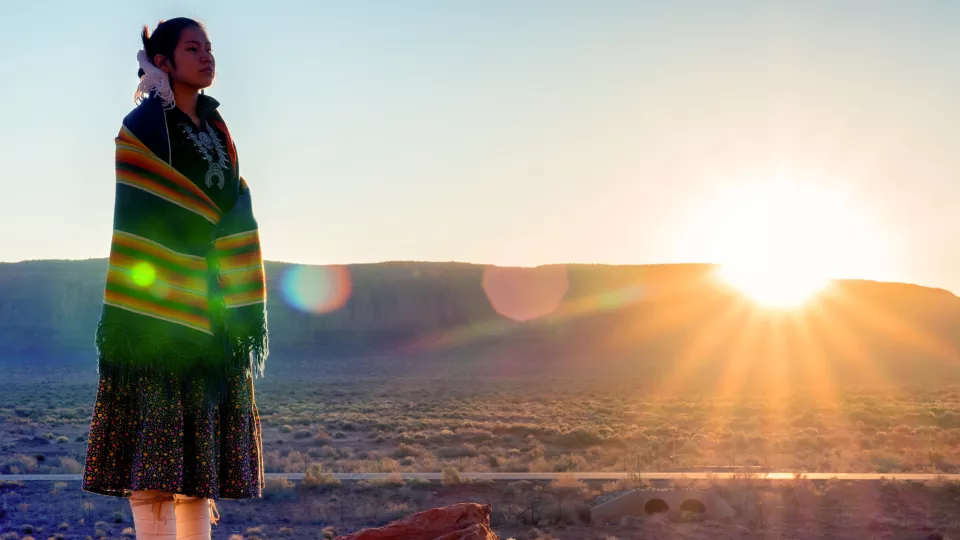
[(193, 150)]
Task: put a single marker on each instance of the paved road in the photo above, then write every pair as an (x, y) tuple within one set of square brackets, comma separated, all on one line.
[(596, 476)]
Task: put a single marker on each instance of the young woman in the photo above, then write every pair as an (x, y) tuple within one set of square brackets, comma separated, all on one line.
[(183, 327)]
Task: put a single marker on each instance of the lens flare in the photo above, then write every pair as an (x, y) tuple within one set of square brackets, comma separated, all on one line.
[(144, 274), (620, 297), (316, 289), (523, 294)]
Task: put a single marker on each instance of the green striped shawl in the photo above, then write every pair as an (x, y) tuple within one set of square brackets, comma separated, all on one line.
[(185, 291)]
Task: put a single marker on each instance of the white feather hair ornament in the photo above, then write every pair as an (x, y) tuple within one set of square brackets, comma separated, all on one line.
[(153, 80)]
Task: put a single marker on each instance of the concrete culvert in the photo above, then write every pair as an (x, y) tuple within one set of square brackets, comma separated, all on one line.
[(693, 506), (656, 506)]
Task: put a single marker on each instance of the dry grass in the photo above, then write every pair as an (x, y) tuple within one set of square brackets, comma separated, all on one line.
[(462, 425), (549, 426)]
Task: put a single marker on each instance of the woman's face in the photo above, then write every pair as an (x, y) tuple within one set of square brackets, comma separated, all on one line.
[(193, 57)]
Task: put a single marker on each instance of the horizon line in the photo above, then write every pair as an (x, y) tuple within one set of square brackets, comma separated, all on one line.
[(472, 263)]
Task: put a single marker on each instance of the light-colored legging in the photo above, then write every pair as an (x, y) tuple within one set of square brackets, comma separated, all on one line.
[(158, 515)]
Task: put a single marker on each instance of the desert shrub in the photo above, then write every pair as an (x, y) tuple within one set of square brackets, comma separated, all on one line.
[(570, 463), (24, 412), (515, 465), (418, 483), (519, 488), (25, 463), (540, 465), (302, 434), (318, 479), (69, 465), (382, 465), (294, 462), (61, 439), (568, 482), (396, 510), (474, 435), (616, 442), (272, 462), (409, 450), (392, 481), (450, 477), (329, 452), (886, 462), (279, 489), (453, 452)]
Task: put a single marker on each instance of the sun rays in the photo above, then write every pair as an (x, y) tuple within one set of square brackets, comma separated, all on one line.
[(771, 324)]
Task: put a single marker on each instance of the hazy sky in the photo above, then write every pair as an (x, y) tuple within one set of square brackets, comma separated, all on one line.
[(510, 132)]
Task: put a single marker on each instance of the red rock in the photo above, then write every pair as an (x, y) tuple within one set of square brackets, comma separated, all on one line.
[(463, 521)]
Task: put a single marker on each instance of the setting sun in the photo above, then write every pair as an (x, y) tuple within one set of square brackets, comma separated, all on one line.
[(781, 242), (774, 286)]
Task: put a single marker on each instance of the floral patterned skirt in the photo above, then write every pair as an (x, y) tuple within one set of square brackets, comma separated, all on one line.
[(144, 435)]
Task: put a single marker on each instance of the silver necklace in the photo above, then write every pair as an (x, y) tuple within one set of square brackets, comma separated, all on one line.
[(206, 141)]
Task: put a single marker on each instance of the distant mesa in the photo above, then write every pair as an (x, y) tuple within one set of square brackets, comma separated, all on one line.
[(670, 322)]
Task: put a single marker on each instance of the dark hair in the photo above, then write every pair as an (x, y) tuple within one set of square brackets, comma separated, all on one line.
[(164, 38)]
